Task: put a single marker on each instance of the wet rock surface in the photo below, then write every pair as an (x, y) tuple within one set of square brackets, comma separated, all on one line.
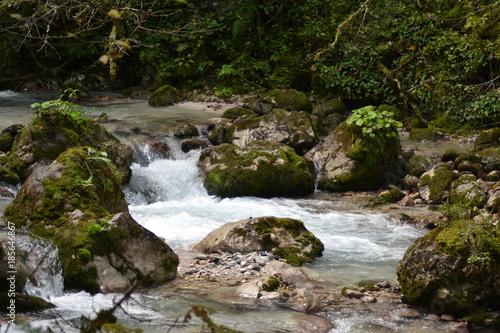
[(233, 278)]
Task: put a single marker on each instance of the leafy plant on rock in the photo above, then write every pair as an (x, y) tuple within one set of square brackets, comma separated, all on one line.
[(374, 123)]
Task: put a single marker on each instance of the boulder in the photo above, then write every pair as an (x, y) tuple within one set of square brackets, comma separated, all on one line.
[(216, 130), (346, 160), (387, 197), (330, 122), (417, 165), (290, 100), (7, 176), (490, 158), (466, 190), (450, 155), (186, 131), (287, 238), (420, 134), (434, 184), (50, 134), (487, 139), (77, 202), (238, 112), (493, 203), (293, 128), (164, 96), (7, 137), (329, 107), (193, 144), (453, 269), (262, 169)]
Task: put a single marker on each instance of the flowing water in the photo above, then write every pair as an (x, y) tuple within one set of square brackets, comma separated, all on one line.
[(167, 197)]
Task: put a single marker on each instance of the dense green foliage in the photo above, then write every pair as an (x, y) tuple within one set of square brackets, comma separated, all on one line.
[(438, 59)]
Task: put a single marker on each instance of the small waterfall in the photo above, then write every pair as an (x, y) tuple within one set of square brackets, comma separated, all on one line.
[(157, 179), (45, 278)]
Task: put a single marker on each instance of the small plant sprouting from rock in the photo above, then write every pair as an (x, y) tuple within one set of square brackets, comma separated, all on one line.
[(59, 108), (372, 122)]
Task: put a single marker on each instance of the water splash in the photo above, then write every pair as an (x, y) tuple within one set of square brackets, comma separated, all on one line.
[(176, 178), (45, 279)]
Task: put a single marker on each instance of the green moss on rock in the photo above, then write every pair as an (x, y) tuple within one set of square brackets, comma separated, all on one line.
[(234, 113), (387, 197), (487, 139), (164, 96), (262, 169), (417, 165), (466, 190), (453, 268), (433, 184), (290, 100), (419, 134)]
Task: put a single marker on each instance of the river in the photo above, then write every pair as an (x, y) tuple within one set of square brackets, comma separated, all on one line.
[(167, 197)]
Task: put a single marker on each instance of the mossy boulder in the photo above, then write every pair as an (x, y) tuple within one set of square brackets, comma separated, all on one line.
[(285, 237), (7, 137), (420, 134), (77, 202), (235, 113), (216, 130), (417, 165), (487, 139), (450, 155), (186, 131), (330, 122), (465, 190), (48, 135), (193, 144), (435, 183), (453, 269), (347, 160), (387, 197), (8, 176), (290, 100), (262, 169), (490, 158), (329, 107), (164, 96), (292, 128)]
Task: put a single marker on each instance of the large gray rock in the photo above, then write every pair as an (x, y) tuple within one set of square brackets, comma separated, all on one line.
[(292, 128), (262, 168), (287, 238), (346, 160), (454, 269), (466, 190), (434, 184), (77, 202)]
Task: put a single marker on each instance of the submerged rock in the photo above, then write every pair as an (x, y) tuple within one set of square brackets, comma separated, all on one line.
[(287, 238), (262, 169), (77, 202)]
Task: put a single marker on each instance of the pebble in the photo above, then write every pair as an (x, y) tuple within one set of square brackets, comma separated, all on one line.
[(224, 266)]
